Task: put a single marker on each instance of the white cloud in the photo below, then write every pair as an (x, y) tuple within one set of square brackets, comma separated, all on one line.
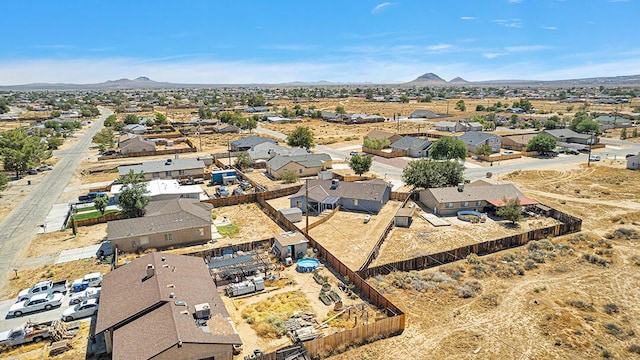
[(514, 23), (522, 48), (493, 55), (514, 1), (550, 28), (381, 6), (439, 47), (467, 18)]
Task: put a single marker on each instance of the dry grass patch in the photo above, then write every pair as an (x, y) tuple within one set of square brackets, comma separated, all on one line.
[(268, 317)]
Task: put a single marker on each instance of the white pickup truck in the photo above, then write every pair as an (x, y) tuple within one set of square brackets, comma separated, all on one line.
[(25, 333), (36, 303), (44, 287)]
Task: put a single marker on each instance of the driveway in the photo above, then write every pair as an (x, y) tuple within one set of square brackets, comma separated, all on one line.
[(21, 225)]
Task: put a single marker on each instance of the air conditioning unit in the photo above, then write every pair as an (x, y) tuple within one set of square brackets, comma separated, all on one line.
[(202, 311)]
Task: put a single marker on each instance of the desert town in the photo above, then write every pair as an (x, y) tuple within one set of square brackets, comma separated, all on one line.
[(304, 223)]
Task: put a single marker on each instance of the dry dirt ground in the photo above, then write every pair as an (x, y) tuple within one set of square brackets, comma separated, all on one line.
[(253, 223), (55, 242), (580, 303)]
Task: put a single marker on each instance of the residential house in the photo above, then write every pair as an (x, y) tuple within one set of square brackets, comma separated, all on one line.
[(267, 150), (164, 190), (363, 119), (515, 110), (517, 142), (137, 129), (475, 139), (164, 306), (368, 196), (290, 244), (248, 142), (381, 135), (415, 147), (478, 196), (570, 136), (424, 114), (301, 165), (256, 109), (167, 169), (458, 126), (130, 143), (225, 128), (612, 122), (633, 162), (166, 223)]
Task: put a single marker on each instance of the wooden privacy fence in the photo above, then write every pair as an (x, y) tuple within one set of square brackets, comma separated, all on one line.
[(492, 158), (219, 251), (99, 220), (251, 198), (570, 224), (384, 154), (327, 217)]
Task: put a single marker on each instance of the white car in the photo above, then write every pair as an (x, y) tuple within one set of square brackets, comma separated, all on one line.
[(88, 293), (84, 309), (45, 168), (37, 302)]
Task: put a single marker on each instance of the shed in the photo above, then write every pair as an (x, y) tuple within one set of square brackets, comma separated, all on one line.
[(292, 214), (290, 244), (403, 217)]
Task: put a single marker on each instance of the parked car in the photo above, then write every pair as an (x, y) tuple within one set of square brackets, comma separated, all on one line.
[(237, 191), (353, 153), (32, 171), (91, 196), (86, 294), (573, 152), (84, 309), (45, 168), (629, 155), (110, 152), (25, 333), (36, 303), (89, 280), (594, 158), (44, 287), (222, 191)]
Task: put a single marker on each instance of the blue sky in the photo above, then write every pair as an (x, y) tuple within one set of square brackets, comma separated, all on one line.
[(342, 41)]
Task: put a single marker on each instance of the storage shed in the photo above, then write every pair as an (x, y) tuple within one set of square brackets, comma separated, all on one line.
[(403, 217), (292, 214), (290, 244)]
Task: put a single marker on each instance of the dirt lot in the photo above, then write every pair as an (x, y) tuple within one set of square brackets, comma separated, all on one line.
[(580, 303), (55, 242), (253, 224), (423, 238)]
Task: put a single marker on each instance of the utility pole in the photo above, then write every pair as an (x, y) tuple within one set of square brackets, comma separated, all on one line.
[(229, 150), (398, 123), (590, 145), (306, 205)]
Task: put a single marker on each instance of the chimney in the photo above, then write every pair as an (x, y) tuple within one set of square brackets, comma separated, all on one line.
[(150, 270), (460, 187)]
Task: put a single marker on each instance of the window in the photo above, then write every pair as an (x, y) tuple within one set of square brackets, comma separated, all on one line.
[(449, 205), (479, 202), (168, 237), (355, 202), (465, 204), (299, 204), (167, 173), (182, 172), (201, 231), (301, 171), (133, 244)]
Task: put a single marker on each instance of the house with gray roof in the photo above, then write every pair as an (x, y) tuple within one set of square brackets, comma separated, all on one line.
[(368, 196), (248, 142), (137, 129), (478, 196), (223, 128), (164, 306), (425, 114), (130, 144), (267, 150), (458, 126), (363, 119), (570, 136), (415, 147), (611, 122), (166, 223), (301, 165), (475, 139), (167, 169)]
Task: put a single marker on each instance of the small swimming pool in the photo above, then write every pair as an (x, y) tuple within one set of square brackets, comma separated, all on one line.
[(307, 265), (469, 215)]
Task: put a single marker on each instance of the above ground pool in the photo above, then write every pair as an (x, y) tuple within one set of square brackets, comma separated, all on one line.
[(469, 215), (307, 264)]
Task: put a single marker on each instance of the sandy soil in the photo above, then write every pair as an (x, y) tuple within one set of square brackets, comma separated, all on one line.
[(554, 311), (253, 223), (55, 242)]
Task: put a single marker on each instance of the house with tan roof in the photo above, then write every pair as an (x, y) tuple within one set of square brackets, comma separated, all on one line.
[(381, 135), (166, 223), (478, 196), (301, 165), (367, 196), (164, 306)]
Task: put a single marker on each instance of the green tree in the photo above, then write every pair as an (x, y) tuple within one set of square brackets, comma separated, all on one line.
[(588, 126), (480, 107), (460, 105), (53, 142), (20, 151), (489, 125), (242, 161), (550, 124), (89, 111), (256, 100), (133, 197), (541, 143), (300, 137), (360, 164), (377, 144), (428, 173), (340, 109), (634, 133), (447, 148), (404, 98), (483, 150), (4, 106), (131, 119), (56, 114), (511, 210), (161, 118), (110, 120), (100, 202), (4, 181), (105, 138), (118, 126), (623, 134), (289, 177)]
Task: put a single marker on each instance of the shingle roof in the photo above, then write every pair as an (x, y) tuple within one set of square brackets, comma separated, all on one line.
[(566, 133), (378, 135), (251, 141), (146, 320), (424, 114), (307, 160), (267, 150), (163, 216), (475, 193), (162, 165), (521, 139), (410, 142), (476, 137), (361, 190)]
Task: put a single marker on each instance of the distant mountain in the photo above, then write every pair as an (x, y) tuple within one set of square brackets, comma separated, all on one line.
[(458, 80), (431, 79), (427, 79)]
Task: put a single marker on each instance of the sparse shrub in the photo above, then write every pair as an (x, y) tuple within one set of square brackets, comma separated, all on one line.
[(479, 271), (538, 289), (490, 300), (579, 304), (519, 270), (530, 265), (595, 259), (473, 259), (623, 234), (634, 348), (606, 354), (509, 257), (505, 272), (543, 244), (468, 289), (537, 256), (610, 308), (613, 329)]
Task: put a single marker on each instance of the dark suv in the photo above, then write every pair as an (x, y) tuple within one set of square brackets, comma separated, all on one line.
[(91, 196)]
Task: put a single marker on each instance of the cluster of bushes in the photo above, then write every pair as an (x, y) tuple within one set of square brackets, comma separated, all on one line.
[(623, 234)]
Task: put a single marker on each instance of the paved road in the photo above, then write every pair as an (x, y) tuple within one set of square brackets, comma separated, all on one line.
[(19, 227), (40, 316)]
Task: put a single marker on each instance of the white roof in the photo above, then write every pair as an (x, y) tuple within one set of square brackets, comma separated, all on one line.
[(163, 187)]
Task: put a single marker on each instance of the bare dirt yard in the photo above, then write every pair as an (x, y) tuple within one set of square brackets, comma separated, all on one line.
[(252, 223), (55, 242), (573, 297)]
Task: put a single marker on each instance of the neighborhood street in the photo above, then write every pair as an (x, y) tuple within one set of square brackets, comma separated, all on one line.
[(21, 225)]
